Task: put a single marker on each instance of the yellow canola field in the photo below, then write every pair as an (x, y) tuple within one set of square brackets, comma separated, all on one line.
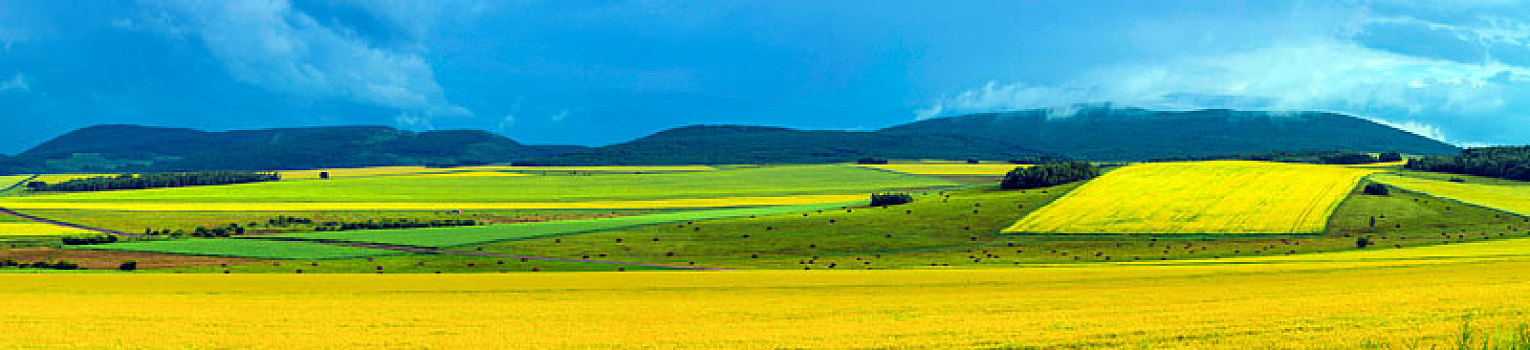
[(1200, 197), (945, 169), (36, 229), (487, 170), (1504, 195), (1232, 306), (638, 204)]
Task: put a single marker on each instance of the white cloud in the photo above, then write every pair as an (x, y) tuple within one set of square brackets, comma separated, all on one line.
[(16, 83), (269, 44)]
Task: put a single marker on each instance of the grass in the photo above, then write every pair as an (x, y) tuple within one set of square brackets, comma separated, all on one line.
[(945, 169), (1232, 197), (742, 182), (456, 236), (1508, 195), (679, 203), (242, 248), (1294, 305), (136, 221)]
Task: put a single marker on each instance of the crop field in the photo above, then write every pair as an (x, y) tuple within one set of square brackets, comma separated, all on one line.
[(745, 182), (6, 181), (479, 171), (1512, 196), (138, 221), (945, 169), (1324, 301), (242, 248), (1233, 197), (456, 236), (57, 178), (36, 229), (678, 203)]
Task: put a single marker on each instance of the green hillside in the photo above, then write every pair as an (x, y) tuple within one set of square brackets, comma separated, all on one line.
[(124, 148), (1091, 133)]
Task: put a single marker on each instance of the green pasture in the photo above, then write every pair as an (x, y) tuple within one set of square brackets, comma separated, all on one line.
[(457, 236), (741, 182), (243, 248)]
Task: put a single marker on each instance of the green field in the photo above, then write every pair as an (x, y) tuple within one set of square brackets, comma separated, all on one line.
[(243, 248), (456, 236), (1508, 195), (743, 182)]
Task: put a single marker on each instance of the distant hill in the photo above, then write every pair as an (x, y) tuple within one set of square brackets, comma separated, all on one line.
[(1099, 133), (734, 144), (120, 148)]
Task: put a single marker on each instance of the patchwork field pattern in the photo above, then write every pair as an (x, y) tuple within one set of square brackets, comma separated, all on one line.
[(749, 182), (1222, 197), (1510, 196), (243, 248), (1421, 301), (945, 169), (680, 203), (456, 236)]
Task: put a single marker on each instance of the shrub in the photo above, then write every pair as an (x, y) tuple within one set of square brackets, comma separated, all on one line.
[(973, 161), (128, 266), (1390, 157), (1376, 189), (88, 240), (881, 199), (1050, 174), (1364, 241), (871, 161)]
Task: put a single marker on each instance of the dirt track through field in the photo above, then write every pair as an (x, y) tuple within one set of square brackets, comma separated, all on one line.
[(419, 250)]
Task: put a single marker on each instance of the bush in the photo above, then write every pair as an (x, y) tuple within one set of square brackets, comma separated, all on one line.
[(871, 161), (973, 161), (1348, 158), (1390, 157), (1376, 189), (1364, 241), (882, 199), (88, 240), (1050, 174), (128, 266)]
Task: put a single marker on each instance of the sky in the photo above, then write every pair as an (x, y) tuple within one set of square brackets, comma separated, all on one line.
[(601, 72)]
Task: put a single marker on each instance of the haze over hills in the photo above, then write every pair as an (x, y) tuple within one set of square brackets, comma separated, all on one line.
[(1095, 133)]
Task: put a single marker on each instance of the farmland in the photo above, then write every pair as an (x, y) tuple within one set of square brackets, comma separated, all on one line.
[(243, 249), (1505, 195), (1200, 198), (1420, 300), (746, 182), (945, 169), (35, 229)]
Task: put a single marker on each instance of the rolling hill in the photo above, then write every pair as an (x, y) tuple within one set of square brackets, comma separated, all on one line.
[(1097, 133), (114, 148)]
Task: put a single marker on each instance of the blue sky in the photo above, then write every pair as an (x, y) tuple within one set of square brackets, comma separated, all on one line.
[(598, 72)]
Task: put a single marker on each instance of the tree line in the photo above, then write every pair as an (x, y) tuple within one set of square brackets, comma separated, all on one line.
[(1311, 157), (160, 180), (1049, 174), (285, 222), (1505, 162)]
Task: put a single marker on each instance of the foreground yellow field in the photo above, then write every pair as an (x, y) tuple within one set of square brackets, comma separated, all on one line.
[(678, 203), (1502, 194), (1200, 197), (1418, 301), (36, 229), (945, 169)]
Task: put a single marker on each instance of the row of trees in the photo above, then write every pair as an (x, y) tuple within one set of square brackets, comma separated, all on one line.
[(1314, 157), (88, 240), (1507, 162), (301, 222), (1049, 174), (143, 181)]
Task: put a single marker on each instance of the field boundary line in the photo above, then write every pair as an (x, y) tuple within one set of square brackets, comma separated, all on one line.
[(420, 250), (19, 183), (64, 224)]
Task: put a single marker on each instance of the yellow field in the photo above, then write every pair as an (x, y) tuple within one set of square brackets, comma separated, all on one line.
[(57, 178), (488, 170), (36, 229), (1381, 165), (1200, 197), (1501, 196), (1320, 301), (339, 206), (945, 169)]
